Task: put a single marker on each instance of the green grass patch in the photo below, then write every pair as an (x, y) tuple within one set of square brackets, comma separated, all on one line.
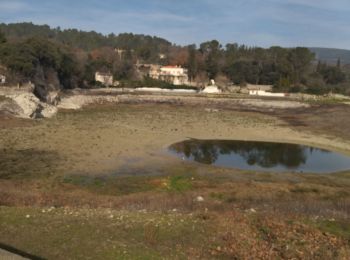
[(225, 197), (103, 234), (180, 183), (338, 228)]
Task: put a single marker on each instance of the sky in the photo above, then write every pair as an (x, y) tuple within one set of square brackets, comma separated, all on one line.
[(264, 23)]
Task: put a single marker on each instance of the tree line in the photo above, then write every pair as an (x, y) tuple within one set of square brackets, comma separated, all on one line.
[(69, 59)]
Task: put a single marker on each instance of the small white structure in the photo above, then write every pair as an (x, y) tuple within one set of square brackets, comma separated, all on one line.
[(263, 93), (120, 52), (162, 56), (211, 89), (105, 78), (2, 79)]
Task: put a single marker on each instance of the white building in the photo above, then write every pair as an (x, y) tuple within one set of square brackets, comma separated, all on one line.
[(2, 79), (105, 78), (174, 74)]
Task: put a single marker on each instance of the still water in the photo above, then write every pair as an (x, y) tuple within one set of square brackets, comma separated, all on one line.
[(261, 156)]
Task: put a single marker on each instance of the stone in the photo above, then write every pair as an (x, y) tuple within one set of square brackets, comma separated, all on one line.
[(199, 199)]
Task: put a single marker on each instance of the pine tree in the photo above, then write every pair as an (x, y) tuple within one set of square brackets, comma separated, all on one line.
[(192, 62)]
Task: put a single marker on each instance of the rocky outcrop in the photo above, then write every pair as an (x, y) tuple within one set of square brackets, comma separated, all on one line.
[(26, 105)]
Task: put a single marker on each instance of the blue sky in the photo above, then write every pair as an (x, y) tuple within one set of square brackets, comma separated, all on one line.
[(320, 23)]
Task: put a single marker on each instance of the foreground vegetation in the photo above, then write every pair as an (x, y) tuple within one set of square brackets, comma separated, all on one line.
[(161, 217)]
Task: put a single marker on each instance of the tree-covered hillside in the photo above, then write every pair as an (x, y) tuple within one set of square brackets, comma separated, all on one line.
[(81, 39), (69, 58)]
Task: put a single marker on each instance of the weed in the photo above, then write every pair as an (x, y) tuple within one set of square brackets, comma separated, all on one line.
[(179, 183), (226, 197), (151, 234)]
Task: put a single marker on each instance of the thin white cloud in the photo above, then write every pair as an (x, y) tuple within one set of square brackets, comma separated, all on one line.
[(330, 5), (12, 6)]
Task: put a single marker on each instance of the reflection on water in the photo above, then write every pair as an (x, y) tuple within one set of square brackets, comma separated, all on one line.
[(249, 155)]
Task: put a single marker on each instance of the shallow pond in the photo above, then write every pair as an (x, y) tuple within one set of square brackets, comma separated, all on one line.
[(261, 156)]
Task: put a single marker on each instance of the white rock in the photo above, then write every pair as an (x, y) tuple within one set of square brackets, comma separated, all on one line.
[(199, 199), (48, 111), (52, 97), (211, 90), (27, 103)]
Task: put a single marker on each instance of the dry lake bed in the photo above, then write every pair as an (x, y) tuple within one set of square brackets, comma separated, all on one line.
[(100, 183)]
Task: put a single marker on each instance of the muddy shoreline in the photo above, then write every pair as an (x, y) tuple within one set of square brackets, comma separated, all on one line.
[(107, 137)]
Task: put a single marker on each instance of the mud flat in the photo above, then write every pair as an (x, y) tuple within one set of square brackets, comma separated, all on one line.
[(103, 138)]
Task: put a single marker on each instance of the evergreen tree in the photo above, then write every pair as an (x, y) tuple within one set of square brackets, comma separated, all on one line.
[(338, 63), (211, 50), (192, 62)]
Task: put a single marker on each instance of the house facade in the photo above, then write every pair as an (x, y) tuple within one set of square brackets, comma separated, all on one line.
[(104, 78), (174, 74), (2, 79)]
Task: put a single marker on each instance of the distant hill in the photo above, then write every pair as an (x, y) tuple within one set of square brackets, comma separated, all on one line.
[(85, 40), (332, 55)]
